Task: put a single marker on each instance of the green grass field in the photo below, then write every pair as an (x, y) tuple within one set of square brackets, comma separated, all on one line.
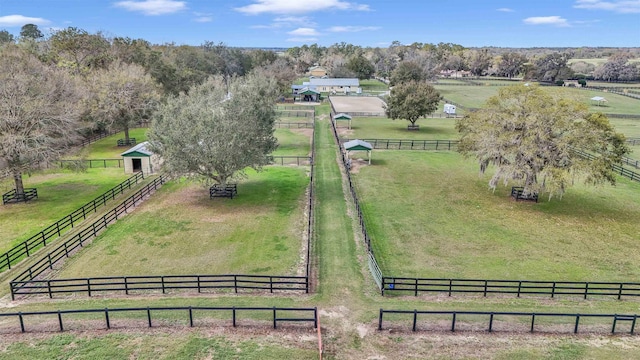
[(59, 193), (373, 85), (597, 61), (430, 215), (107, 148), (181, 231), (293, 142), (385, 128)]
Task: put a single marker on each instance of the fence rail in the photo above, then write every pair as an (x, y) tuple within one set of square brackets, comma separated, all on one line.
[(618, 169), (129, 284), (297, 113), (407, 144), (298, 160), (519, 287), (296, 107), (27, 247), (615, 318), (294, 125), (279, 314), (93, 163), (14, 197), (77, 241)]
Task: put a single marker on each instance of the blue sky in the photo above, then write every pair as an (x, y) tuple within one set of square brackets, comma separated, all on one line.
[(286, 23)]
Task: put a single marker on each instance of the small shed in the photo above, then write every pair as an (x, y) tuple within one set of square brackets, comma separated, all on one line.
[(358, 145), (449, 109), (599, 100), (342, 116), (138, 158)]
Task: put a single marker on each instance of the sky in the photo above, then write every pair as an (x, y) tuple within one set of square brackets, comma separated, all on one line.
[(375, 23)]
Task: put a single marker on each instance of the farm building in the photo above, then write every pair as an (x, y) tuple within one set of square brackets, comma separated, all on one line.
[(140, 158), (317, 71), (330, 85)]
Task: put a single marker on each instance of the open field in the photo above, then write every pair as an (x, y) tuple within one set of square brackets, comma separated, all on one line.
[(181, 231), (59, 193), (385, 128), (293, 142), (107, 149), (373, 85), (430, 215)]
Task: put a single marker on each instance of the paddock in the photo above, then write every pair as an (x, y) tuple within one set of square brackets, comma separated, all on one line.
[(353, 105)]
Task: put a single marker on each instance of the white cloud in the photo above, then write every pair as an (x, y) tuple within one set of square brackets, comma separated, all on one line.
[(353, 28), (203, 19), (153, 7), (287, 21), (19, 20), (546, 20), (304, 32), (624, 6), (298, 6), (302, 39), (505, 10)]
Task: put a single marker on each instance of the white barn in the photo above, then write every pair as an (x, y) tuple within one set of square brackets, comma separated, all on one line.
[(140, 158)]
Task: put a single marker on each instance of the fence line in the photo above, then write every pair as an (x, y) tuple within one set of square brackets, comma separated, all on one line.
[(63, 251), (27, 247), (118, 162), (454, 314), (296, 113), (163, 283), (104, 134), (311, 207), (297, 125), (373, 264), (519, 287), (298, 160), (408, 144), (618, 169), (277, 314)]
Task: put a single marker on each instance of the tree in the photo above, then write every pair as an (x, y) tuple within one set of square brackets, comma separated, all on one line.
[(123, 95), (38, 113), (511, 64), (535, 139), (80, 51), (30, 31), (6, 37), (214, 135), (407, 71), (282, 72), (411, 100), (361, 67), (553, 67), (617, 67)]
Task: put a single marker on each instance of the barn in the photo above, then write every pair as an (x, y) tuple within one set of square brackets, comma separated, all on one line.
[(139, 158)]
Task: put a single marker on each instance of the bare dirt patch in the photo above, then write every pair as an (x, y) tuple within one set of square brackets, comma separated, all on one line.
[(364, 104)]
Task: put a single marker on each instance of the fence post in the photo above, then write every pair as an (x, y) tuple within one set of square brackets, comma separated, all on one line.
[(8, 260), (60, 321), (271, 284), (620, 292), (315, 317), (198, 280), (450, 285), (380, 320), (49, 289), (485, 288), (162, 279), (491, 322), (586, 289), (235, 283), (190, 317), (575, 329), (149, 316), (553, 289), (21, 321), (233, 314), (415, 319), (416, 287), (453, 322), (274, 318), (89, 286), (106, 317), (26, 248), (533, 320), (126, 286)]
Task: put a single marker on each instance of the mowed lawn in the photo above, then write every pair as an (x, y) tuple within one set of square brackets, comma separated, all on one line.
[(385, 128), (108, 148), (293, 142), (179, 230), (431, 215), (59, 193)]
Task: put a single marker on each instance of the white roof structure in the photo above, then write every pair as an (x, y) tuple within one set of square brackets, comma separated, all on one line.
[(140, 148), (598, 98), (334, 82)]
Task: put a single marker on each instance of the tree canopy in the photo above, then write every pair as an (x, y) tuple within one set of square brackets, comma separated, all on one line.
[(213, 134), (411, 100), (38, 113), (534, 138)]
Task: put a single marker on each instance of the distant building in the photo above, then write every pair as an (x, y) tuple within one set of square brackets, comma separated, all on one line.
[(328, 85), (454, 73), (317, 71)]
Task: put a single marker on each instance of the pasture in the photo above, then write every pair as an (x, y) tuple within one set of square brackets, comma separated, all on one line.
[(107, 148), (429, 214), (385, 128), (181, 231), (59, 193)]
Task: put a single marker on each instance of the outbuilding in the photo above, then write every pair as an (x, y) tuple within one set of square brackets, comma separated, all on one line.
[(358, 145), (342, 116), (139, 158)]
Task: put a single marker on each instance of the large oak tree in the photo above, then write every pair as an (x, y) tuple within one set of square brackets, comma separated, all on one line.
[(212, 134), (412, 100), (38, 113), (534, 139)]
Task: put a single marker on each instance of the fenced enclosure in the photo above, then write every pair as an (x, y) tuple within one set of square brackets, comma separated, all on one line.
[(65, 249), (163, 284), (618, 169), (297, 113), (14, 196), (408, 144), (278, 314), (294, 125), (125, 142), (25, 248), (92, 163), (415, 286), (290, 160), (613, 318)]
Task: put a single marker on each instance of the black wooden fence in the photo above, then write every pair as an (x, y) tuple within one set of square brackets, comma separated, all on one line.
[(416, 286), (408, 144), (93, 163), (77, 241), (279, 314), (96, 137), (290, 160), (618, 169), (27, 247), (310, 113), (164, 284), (294, 125), (615, 318), (14, 197), (371, 259)]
